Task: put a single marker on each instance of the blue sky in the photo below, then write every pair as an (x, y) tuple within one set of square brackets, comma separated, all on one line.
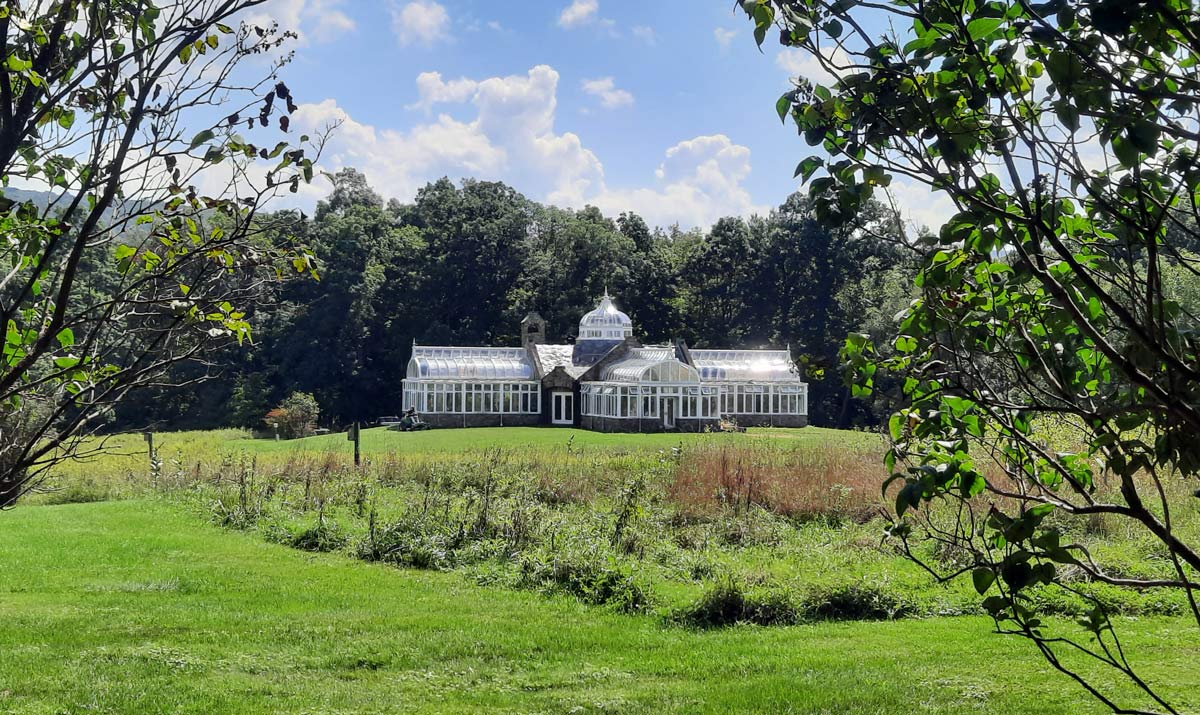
[(664, 107)]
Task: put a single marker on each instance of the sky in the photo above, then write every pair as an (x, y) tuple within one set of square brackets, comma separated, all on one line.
[(661, 107)]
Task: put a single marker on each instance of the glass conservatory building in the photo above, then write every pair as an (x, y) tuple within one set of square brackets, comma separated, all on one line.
[(605, 381)]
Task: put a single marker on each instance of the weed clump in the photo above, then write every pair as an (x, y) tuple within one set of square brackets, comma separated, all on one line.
[(855, 602), (78, 493), (725, 603), (588, 579), (322, 537)]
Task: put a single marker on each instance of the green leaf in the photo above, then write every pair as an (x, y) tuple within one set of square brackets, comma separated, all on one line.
[(16, 64), (1125, 151), (764, 16), (1041, 511), (982, 27), (1017, 575), (1068, 115), (783, 106), (185, 54), (1144, 135), (983, 579), (66, 337), (833, 28), (202, 137), (972, 484), (125, 254), (806, 168)]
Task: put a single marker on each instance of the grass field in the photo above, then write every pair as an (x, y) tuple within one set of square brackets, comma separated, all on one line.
[(136, 607), (521, 570), (128, 452)]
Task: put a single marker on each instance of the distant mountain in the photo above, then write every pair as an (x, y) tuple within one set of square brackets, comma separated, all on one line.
[(41, 199)]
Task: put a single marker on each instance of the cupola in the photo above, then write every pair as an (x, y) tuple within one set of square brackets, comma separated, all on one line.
[(605, 322)]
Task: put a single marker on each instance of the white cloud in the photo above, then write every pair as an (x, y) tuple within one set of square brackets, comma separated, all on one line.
[(699, 181), (331, 23), (645, 34), (724, 36), (578, 13), (312, 20), (398, 162), (512, 137), (919, 205), (606, 89), (799, 63), (420, 22), (434, 90)]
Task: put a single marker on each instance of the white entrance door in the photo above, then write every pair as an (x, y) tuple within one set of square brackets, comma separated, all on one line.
[(668, 412), (563, 408)]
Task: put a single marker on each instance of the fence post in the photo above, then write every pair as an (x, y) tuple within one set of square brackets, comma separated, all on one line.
[(354, 435)]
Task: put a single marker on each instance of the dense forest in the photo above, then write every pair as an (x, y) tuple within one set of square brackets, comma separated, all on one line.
[(463, 264)]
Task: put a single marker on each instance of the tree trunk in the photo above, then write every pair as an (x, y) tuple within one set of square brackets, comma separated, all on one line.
[(10, 489), (843, 420)]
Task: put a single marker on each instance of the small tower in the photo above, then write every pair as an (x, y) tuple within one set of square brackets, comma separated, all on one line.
[(533, 330)]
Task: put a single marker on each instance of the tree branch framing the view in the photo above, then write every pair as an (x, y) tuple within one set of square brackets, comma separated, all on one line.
[(151, 246), (1049, 373)]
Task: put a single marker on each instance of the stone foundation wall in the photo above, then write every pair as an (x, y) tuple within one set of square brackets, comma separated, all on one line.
[(648, 424), (771, 420), (611, 424), (479, 420)]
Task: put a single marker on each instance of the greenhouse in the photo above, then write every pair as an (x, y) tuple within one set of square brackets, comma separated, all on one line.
[(497, 384), (605, 381)]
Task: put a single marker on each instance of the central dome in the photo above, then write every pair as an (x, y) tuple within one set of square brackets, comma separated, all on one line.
[(605, 322)]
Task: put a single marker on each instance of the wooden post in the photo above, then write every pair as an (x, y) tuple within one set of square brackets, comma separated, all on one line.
[(353, 434), (154, 466)]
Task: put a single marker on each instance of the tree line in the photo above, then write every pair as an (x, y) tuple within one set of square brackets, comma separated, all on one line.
[(462, 264)]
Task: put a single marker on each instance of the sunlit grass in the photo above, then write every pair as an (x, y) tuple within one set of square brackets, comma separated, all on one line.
[(136, 607)]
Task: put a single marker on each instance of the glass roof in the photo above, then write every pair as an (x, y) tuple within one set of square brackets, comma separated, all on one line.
[(752, 365), (650, 365), (435, 363)]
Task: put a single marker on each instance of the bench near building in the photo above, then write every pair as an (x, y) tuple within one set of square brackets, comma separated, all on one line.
[(605, 381)]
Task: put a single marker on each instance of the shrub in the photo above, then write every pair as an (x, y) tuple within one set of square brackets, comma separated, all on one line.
[(295, 417)]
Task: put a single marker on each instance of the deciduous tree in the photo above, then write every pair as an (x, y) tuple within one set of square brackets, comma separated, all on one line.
[(1066, 134), (146, 123)]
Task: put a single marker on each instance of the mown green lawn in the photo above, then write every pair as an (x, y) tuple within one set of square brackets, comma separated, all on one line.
[(138, 607)]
